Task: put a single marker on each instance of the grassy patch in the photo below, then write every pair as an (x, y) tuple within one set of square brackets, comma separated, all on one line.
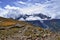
[(10, 32)]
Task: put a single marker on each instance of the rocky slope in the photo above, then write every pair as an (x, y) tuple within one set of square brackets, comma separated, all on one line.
[(19, 30)]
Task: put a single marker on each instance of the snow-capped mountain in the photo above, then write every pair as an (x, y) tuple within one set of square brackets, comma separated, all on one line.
[(42, 16), (26, 17)]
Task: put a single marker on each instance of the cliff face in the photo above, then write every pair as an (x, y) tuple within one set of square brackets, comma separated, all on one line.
[(19, 30)]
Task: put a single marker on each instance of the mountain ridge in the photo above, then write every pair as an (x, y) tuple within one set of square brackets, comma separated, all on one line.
[(20, 30), (52, 24)]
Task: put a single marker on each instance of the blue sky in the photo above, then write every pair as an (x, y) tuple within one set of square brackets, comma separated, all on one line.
[(3, 3), (7, 2), (30, 7)]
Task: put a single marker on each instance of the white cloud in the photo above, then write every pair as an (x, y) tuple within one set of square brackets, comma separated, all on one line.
[(11, 7), (32, 10), (50, 8), (21, 2), (22, 19), (33, 18), (3, 12)]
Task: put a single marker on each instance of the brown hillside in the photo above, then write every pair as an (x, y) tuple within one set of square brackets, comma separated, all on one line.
[(11, 29)]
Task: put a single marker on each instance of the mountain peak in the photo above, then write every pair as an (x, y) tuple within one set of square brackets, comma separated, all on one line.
[(36, 16)]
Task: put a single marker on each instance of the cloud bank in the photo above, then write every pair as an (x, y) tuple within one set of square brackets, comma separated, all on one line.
[(50, 8)]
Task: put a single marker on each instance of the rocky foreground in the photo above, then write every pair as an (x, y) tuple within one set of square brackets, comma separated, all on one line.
[(19, 30)]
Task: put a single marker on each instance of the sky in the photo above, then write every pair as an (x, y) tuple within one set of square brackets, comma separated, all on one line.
[(15, 8)]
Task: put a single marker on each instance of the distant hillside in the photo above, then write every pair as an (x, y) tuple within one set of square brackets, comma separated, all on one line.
[(11, 29), (53, 24)]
